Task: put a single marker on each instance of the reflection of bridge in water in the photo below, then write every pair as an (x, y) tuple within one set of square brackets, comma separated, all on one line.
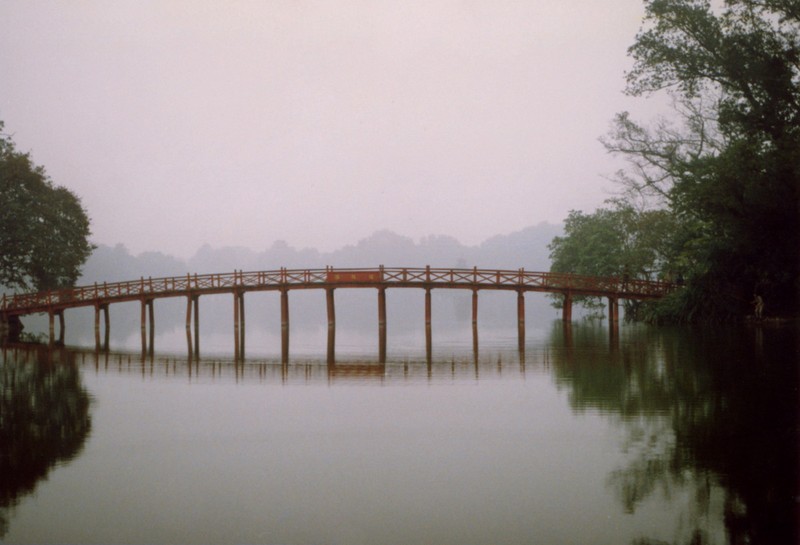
[(238, 283), (495, 364)]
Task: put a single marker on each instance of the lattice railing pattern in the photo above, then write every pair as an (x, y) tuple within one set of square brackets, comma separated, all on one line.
[(194, 284)]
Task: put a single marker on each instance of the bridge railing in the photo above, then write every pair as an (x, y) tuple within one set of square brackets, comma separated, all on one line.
[(435, 277)]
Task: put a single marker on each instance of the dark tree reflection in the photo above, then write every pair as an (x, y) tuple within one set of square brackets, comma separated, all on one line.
[(44, 419), (708, 409)]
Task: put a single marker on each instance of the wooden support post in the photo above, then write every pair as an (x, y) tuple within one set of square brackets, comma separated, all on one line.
[(189, 313), (97, 327), (51, 318), (144, 326), (196, 326), (236, 336), (331, 353), (152, 314), (566, 311), (428, 312), (613, 312), (107, 324), (285, 325), (60, 327), (474, 308), (475, 321), (241, 326), (189, 354), (428, 332), (189, 301), (382, 325), (613, 318), (331, 309), (521, 319)]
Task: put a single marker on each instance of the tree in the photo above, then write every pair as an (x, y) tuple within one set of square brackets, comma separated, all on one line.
[(726, 167), (44, 229), (698, 406), (737, 71), (618, 240), (46, 420)]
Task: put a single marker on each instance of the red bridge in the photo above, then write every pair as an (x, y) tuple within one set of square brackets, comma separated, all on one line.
[(237, 283)]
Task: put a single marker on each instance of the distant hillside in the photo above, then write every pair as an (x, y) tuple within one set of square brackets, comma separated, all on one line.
[(526, 248)]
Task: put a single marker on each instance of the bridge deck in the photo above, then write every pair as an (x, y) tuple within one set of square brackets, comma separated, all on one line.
[(145, 289)]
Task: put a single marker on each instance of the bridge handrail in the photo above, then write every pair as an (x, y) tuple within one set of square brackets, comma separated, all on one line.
[(192, 283)]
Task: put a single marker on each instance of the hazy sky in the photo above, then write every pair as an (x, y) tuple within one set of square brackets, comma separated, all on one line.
[(240, 123)]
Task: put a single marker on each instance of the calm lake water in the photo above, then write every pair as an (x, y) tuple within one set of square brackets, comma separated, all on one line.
[(659, 436)]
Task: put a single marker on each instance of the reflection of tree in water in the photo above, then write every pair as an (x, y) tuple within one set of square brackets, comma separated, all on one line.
[(701, 408), (44, 420)]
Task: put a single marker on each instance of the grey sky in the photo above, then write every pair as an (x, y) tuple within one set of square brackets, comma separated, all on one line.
[(239, 123)]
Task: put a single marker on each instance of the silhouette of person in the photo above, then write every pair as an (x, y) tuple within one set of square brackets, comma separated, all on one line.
[(758, 302)]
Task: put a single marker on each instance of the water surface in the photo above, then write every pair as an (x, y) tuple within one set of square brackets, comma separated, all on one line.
[(657, 436)]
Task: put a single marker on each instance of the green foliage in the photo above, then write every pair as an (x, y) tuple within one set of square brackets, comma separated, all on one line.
[(615, 241), (44, 229), (726, 167), (45, 421), (746, 54), (702, 402)]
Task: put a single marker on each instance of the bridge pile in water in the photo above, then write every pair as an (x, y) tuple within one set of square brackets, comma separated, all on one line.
[(237, 283)]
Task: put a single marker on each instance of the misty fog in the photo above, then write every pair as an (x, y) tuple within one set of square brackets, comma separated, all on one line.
[(356, 309)]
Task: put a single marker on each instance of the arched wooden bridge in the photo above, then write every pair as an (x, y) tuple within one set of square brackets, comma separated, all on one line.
[(237, 283)]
